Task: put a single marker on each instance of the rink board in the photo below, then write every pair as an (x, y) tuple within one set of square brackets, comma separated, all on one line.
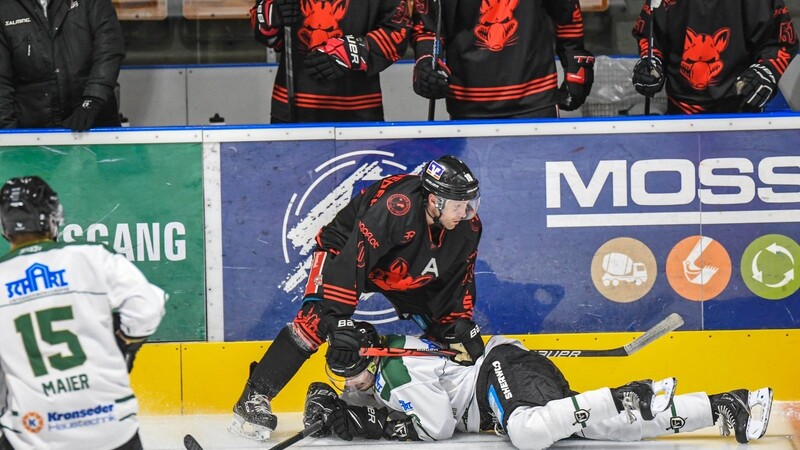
[(207, 378)]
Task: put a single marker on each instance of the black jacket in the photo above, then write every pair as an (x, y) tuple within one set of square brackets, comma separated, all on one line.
[(48, 64)]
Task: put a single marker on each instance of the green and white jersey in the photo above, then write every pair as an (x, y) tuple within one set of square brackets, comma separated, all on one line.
[(437, 393), (68, 384)]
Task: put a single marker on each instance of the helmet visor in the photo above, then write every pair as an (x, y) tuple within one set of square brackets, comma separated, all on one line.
[(463, 209)]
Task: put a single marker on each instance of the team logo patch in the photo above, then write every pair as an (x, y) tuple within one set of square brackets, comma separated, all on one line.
[(581, 417), (702, 60), (434, 170), (676, 423), (33, 422), (398, 204)]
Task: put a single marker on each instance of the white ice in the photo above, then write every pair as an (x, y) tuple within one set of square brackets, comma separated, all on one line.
[(167, 432)]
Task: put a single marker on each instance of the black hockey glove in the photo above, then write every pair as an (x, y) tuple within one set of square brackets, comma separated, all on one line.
[(351, 421), (578, 80), (129, 346), (343, 346), (83, 117), (648, 76), (462, 335), (321, 400), (429, 83), (400, 430), (332, 59), (757, 86)]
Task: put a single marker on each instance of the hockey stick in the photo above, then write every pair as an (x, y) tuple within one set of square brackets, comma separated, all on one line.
[(394, 351), (313, 428), (436, 51), (670, 323), (287, 49), (650, 42), (191, 443)]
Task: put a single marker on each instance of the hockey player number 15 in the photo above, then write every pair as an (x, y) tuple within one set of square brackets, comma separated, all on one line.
[(45, 319)]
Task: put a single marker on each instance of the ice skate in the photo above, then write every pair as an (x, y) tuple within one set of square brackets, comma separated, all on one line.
[(734, 410), (252, 416), (646, 396)]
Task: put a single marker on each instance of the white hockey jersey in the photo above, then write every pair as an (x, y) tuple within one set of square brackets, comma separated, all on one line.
[(437, 393), (68, 385)]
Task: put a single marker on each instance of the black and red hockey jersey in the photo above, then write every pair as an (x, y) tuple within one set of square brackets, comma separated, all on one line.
[(500, 52), (356, 96), (381, 242), (706, 45)]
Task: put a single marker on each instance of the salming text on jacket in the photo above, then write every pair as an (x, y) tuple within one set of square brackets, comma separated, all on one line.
[(48, 64)]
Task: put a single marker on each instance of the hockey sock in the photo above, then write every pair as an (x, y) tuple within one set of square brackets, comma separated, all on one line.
[(279, 364)]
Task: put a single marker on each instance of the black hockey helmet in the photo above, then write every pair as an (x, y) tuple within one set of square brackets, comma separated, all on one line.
[(29, 205), (368, 336), (448, 177)]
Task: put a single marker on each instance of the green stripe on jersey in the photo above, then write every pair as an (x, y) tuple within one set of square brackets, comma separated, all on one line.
[(393, 371)]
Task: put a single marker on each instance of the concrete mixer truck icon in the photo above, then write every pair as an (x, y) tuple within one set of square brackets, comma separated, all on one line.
[(620, 267)]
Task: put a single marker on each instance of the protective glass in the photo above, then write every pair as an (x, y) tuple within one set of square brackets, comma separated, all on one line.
[(466, 209)]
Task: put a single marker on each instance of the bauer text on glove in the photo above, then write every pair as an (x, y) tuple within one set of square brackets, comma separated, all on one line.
[(335, 57)]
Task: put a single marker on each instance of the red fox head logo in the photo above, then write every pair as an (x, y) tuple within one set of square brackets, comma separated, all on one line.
[(497, 26), (321, 21), (702, 61)]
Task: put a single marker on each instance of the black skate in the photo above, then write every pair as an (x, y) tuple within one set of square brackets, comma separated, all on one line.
[(733, 410), (252, 416), (646, 396)]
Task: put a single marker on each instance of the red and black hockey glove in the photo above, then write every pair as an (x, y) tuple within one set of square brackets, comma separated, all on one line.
[(757, 86), (430, 83), (578, 80), (83, 117), (464, 336), (321, 400), (329, 61), (349, 421), (648, 76), (267, 17)]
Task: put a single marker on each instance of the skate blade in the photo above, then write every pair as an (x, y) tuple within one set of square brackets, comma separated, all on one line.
[(241, 427), (664, 390), (757, 426)]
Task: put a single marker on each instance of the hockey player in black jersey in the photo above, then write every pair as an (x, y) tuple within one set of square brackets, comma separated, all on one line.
[(412, 238), (716, 56), (497, 57), (338, 49)]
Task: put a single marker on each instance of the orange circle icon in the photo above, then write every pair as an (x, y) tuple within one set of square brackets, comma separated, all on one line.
[(698, 268)]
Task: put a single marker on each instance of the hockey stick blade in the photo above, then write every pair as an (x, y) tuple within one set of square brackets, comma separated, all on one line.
[(394, 351), (670, 323), (191, 443), (313, 428)]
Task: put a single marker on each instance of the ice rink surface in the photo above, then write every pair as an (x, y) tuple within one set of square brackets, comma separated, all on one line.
[(167, 432)]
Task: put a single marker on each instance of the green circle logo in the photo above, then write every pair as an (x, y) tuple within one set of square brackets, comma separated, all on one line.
[(770, 267)]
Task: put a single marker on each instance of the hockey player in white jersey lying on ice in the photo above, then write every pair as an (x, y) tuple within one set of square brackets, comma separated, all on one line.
[(516, 392)]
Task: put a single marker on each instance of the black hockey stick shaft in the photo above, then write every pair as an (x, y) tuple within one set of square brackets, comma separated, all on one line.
[(191, 443), (436, 52), (287, 50), (313, 428), (650, 41), (670, 323)]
